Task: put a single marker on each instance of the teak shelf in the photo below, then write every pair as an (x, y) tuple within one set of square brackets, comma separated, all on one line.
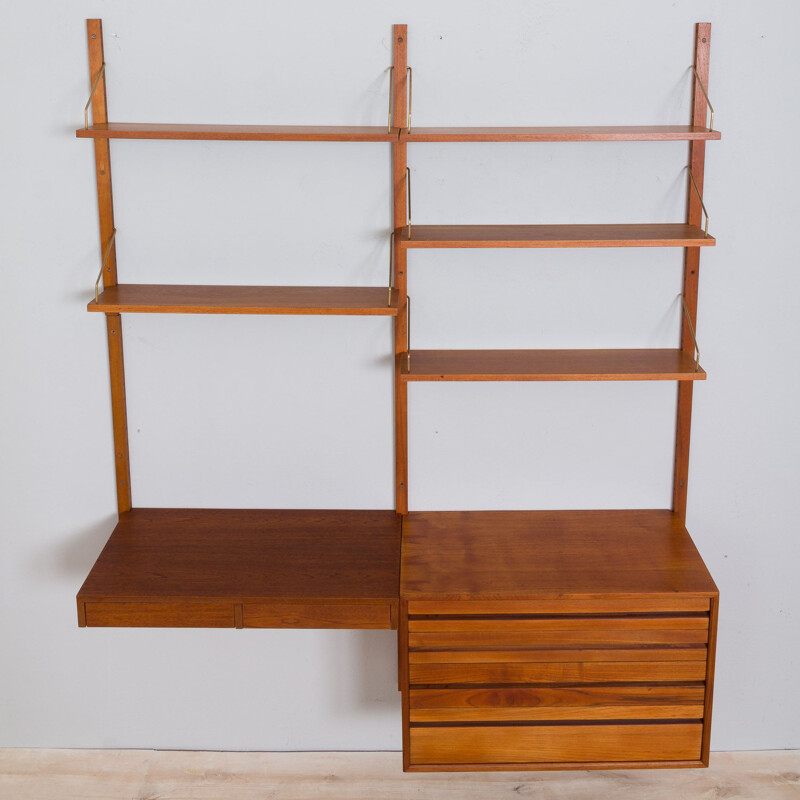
[(527, 639), (247, 569), (241, 133), (170, 299), (666, 235), (379, 133), (549, 365), (606, 133)]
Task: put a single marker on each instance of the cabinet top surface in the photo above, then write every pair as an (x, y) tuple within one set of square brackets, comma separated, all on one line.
[(530, 554)]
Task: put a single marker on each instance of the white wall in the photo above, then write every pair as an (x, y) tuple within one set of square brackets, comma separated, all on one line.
[(296, 412)]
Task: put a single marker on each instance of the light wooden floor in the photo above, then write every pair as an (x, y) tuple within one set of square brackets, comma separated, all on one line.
[(175, 775)]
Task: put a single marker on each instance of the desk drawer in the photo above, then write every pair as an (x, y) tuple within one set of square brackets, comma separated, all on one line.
[(317, 615)]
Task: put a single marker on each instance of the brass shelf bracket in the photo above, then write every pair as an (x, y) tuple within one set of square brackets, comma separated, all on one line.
[(408, 199), (408, 115), (105, 261), (705, 94), (408, 333), (700, 197), (391, 96), (691, 331), (391, 267), (91, 95)]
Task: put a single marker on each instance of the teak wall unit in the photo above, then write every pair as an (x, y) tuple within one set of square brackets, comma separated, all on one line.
[(527, 639)]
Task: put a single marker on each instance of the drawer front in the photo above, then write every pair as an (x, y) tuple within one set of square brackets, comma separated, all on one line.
[(531, 704), (571, 654), (594, 683), (317, 615), (159, 615), (559, 606), (548, 631), (554, 744), (558, 672)]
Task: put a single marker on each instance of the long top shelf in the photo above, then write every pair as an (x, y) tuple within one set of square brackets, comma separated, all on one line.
[(603, 133), (380, 133), (549, 365), (634, 235), (240, 133), (175, 299)]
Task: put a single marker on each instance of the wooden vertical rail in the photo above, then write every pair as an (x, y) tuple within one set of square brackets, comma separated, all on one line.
[(399, 163), (402, 649), (691, 270), (105, 210), (705, 749)]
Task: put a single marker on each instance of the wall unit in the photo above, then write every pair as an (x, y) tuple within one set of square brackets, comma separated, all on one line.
[(527, 639)]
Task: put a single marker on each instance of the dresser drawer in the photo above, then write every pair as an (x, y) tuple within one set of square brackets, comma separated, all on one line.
[(558, 605), (538, 703), (543, 685), (556, 672), (565, 630), (499, 746)]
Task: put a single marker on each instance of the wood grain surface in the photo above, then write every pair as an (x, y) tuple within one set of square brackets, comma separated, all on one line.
[(239, 133), (559, 625), (691, 270), (173, 299), (508, 555), (399, 217), (185, 556), (555, 713), (557, 672), (572, 697), (608, 653), (554, 743), (645, 235), (556, 604), (105, 215), (316, 615), (520, 638), (603, 133), (550, 365)]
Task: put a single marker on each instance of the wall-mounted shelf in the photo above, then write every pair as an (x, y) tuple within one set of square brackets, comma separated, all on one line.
[(642, 235), (240, 133), (550, 365), (170, 299), (213, 568), (380, 133), (527, 639), (604, 133)]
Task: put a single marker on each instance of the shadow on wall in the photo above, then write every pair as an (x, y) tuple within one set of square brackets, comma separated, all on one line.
[(73, 556), (377, 656), (368, 659)]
